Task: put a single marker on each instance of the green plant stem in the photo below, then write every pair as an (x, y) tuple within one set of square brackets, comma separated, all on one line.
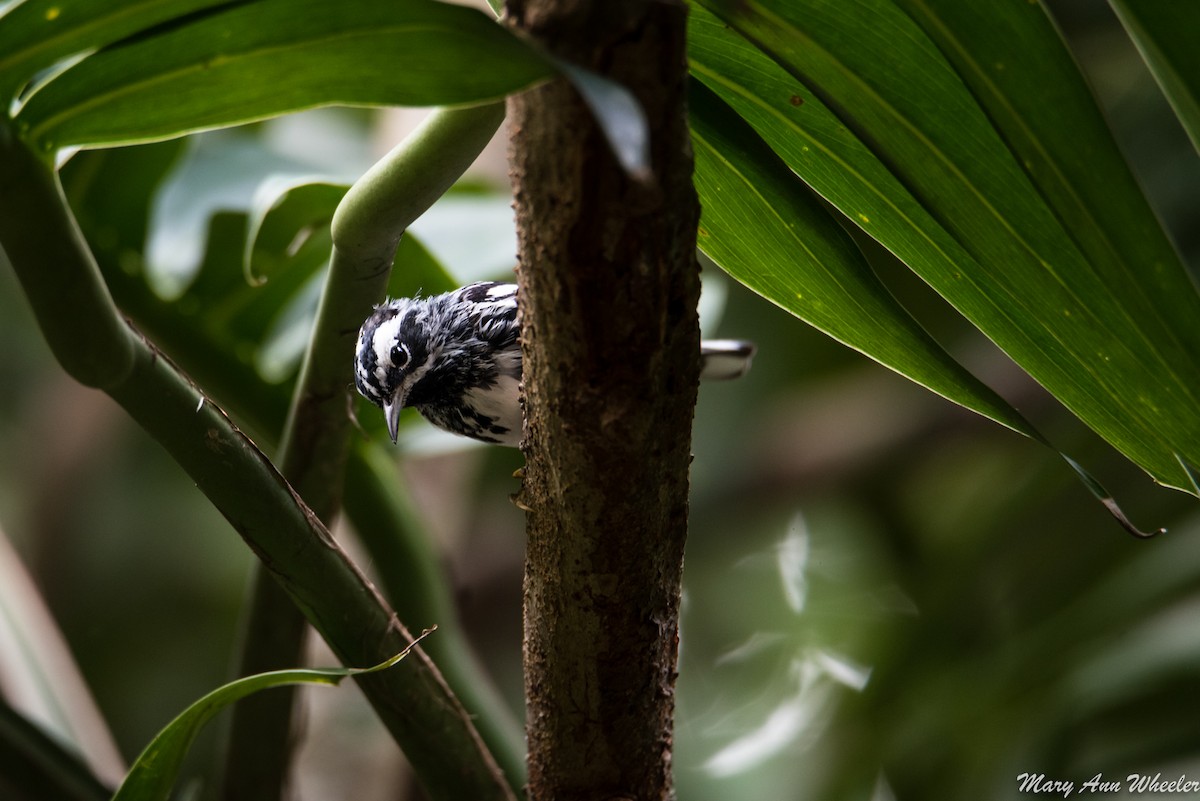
[(95, 345), (262, 730), (104, 356), (408, 570), (312, 455), (377, 505)]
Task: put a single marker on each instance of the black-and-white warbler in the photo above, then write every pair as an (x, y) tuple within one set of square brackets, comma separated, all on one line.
[(456, 358)]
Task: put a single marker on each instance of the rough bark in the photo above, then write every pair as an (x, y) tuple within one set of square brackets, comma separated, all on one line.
[(608, 289)]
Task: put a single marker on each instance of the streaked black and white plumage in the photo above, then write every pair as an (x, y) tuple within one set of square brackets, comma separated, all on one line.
[(456, 358)]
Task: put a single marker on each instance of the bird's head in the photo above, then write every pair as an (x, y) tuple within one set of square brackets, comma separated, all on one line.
[(393, 354)]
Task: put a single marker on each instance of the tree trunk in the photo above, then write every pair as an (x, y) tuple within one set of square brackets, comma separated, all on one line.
[(608, 287)]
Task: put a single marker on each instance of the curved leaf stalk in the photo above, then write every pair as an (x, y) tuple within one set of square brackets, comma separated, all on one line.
[(378, 508), (312, 454), (95, 345), (377, 505), (410, 573)]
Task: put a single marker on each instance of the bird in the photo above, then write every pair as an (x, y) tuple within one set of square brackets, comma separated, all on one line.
[(456, 358)]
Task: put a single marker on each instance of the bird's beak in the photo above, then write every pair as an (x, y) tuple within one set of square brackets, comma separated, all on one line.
[(391, 412)]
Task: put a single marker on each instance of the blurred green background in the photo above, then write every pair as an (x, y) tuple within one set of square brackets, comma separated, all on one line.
[(885, 596)]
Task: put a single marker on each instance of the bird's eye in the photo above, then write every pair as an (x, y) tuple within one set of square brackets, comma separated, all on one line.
[(399, 355)]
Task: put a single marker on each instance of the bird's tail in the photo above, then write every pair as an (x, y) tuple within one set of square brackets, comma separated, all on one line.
[(725, 359)]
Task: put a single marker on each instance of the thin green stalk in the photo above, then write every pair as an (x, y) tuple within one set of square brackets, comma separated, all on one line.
[(366, 231), (377, 505), (263, 731), (408, 570), (95, 345), (100, 356), (395, 540)]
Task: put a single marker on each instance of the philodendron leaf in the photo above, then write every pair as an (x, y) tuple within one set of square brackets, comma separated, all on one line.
[(287, 217), (288, 244), (36, 35), (154, 773), (284, 217), (258, 60)]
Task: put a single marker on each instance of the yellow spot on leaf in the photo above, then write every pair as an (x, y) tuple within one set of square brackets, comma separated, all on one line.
[(864, 217), (52, 13)]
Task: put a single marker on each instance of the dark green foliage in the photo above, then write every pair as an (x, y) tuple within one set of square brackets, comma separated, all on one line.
[(912, 598)]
